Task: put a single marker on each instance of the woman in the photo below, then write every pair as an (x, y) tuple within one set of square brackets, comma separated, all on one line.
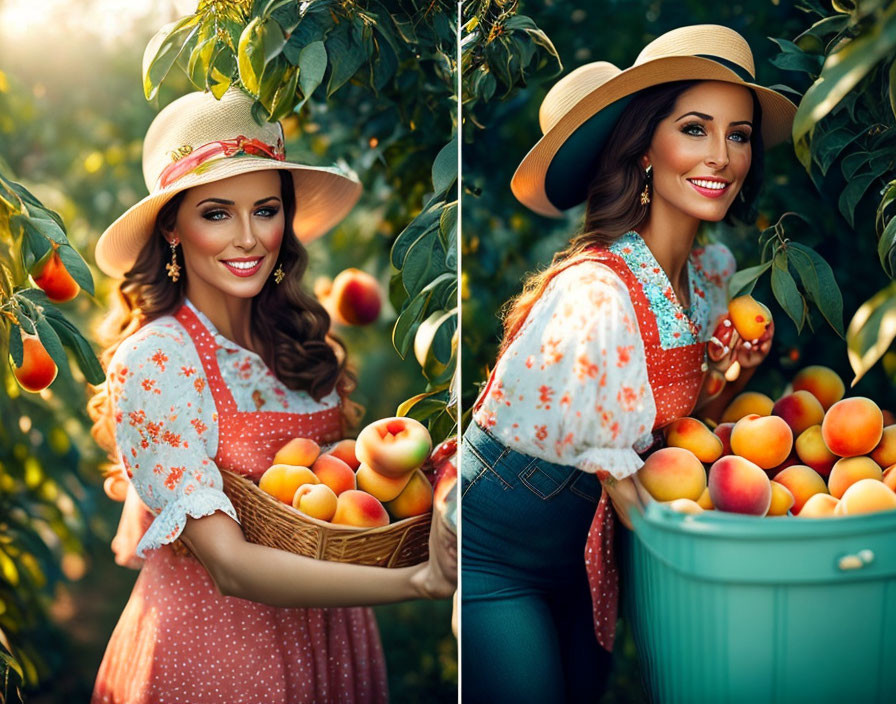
[(603, 348), (219, 357)]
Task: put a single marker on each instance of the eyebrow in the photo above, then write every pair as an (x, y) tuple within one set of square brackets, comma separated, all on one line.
[(221, 201), (704, 116)]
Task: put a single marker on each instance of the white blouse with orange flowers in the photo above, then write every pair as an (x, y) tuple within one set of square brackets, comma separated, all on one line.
[(572, 386)]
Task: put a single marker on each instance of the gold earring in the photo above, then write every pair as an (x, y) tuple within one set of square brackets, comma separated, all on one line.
[(645, 194), (278, 274), (173, 267)]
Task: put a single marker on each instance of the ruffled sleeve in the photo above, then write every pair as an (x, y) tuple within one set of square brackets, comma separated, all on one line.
[(572, 387), (166, 430)]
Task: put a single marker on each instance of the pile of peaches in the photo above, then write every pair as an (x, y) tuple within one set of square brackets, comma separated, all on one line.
[(811, 453), (365, 482)]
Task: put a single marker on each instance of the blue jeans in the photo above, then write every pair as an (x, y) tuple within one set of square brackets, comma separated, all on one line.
[(527, 631)]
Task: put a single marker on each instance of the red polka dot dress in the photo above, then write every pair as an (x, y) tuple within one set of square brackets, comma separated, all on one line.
[(188, 402)]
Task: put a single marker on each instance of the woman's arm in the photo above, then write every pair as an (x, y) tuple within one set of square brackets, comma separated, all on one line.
[(278, 578)]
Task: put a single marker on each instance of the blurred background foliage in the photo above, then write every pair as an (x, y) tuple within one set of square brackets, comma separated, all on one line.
[(838, 177), (72, 118)]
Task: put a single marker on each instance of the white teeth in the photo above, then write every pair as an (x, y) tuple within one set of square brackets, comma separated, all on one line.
[(243, 265), (714, 185)]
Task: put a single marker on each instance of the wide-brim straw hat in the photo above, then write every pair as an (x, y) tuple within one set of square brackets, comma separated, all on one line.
[(197, 140), (580, 111)]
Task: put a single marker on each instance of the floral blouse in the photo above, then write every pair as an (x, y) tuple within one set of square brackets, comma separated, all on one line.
[(572, 386), (167, 424)]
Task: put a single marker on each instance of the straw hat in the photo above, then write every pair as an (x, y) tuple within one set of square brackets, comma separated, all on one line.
[(579, 112), (197, 140)]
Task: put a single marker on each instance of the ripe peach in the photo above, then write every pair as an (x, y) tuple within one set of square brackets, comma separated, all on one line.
[(686, 506), (749, 316), (380, 486), (316, 500), (705, 502), (282, 480), (800, 410), (51, 275), (746, 403), (345, 450), (691, 434), (812, 451), (889, 477), (791, 460), (885, 452), (673, 473), (38, 369), (393, 446), (782, 500), (764, 440), (867, 496), (803, 482), (823, 383), (300, 452), (358, 508), (849, 470), (852, 426), (723, 430), (335, 473), (415, 498), (355, 296), (819, 506), (739, 486)]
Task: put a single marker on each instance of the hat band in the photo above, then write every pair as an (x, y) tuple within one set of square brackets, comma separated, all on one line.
[(742, 73), (199, 159)]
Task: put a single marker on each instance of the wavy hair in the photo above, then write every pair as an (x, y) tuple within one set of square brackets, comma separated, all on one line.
[(613, 206), (292, 326)]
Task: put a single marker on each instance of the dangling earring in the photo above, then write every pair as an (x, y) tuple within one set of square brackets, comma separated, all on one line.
[(645, 194), (173, 267), (278, 274)]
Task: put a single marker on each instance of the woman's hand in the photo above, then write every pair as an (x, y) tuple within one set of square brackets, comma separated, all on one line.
[(437, 577), (626, 494), (729, 353)]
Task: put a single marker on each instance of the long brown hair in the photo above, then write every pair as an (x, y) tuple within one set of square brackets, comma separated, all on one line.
[(613, 206), (292, 326)]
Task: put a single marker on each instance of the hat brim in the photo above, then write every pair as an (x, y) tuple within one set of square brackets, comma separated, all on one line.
[(324, 196), (554, 175)]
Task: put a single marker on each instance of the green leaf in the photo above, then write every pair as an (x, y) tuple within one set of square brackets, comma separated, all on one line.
[(84, 354), (15, 345), (345, 55), (426, 220), (39, 227), (260, 43), (785, 290), (406, 324), (886, 248), (871, 331), (828, 145), (77, 267), (448, 233), (272, 79), (819, 282), (35, 206), (444, 168), (852, 194), (423, 256), (285, 98), (171, 41), (312, 66), (743, 281), (892, 90), (50, 340)]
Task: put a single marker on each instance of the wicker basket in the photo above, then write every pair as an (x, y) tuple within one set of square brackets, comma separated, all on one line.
[(267, 521)]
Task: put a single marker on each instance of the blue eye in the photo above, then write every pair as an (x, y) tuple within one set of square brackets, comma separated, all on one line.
[(214, 215), (741, 137), (268, 211), (694, 129)]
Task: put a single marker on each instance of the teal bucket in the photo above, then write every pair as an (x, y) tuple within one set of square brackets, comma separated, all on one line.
[(735, 609)]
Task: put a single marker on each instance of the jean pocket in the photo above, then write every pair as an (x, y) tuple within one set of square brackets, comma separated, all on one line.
[(476, 469), (587, 486), (540, 482)]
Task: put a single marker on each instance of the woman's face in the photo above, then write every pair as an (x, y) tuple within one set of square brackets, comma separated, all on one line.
[(701, 152), (231, 231)]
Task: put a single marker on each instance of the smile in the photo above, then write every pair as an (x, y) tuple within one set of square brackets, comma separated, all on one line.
[(243, 267), (710, 188)]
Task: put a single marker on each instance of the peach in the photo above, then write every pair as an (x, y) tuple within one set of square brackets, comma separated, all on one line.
[(819, 506), (345, 450), (782, 500), (889, 477), (691, 434), (749, 317), (380, 486), (849, 470), (51, 275), (38, 369), (803, 482), (800, 410), (335, 473), (885, 452), (282, 480), (355, 297), (414, 499), (723, 430), (746, 403), (300, 452), (822, 382), (705, 502), (867, 496), (791, 460), (764, 440), (739, 486), (673, 473), (315, 500), (685, 506), (852, 427), (393, 446), (812, 451), (358, 508)]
